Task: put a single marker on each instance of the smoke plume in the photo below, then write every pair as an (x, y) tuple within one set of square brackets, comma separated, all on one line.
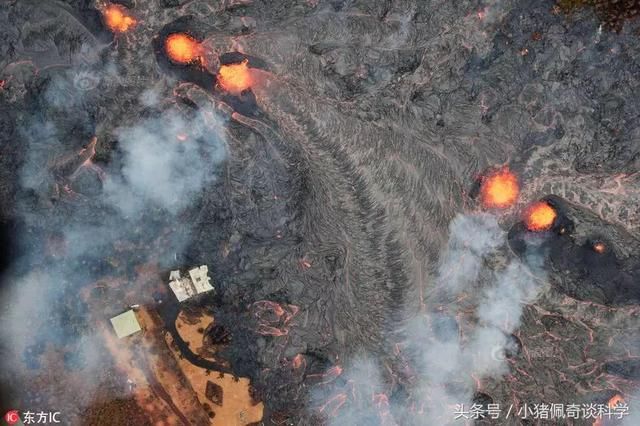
[(446, 357)]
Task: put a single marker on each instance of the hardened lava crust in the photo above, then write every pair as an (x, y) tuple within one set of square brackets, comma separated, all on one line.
[(319, 189)]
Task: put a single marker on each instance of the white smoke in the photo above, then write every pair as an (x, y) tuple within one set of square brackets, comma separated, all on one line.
[(471, 237), (633, 416), (500, 298), (162, 164), (160, 169), (447, 360)]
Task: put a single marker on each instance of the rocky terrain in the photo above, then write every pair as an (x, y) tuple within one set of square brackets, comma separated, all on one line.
[(358, 273)]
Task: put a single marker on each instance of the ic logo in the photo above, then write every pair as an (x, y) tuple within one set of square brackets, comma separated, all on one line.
[(12, 417)]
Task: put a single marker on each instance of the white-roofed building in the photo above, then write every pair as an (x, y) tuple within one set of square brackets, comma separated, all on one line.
[(125, 324), (200, 279), (197, 282)]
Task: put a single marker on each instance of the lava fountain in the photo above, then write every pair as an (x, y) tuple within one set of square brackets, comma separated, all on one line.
[(117, 19), (539, 216), (182, 48), (235, 78), (499, 189)]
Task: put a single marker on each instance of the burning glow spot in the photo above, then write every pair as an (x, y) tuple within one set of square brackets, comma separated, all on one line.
[(599, 247), (615, 401), (182, 48), (298, 361), (540, 216), (117, 18), (500, 189), (328, 376), (235, 78)]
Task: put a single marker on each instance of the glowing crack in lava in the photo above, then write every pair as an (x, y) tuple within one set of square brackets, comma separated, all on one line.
[(499, 189), (613, 403), (540, 216), (273, 318), (235, 78), (117, 18), (182, 48), (298, 361)]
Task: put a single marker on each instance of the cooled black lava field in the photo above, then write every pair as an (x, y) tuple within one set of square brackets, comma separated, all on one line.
[(413, 212)]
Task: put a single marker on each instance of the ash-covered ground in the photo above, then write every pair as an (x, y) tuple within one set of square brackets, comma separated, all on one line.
[(336, 201)]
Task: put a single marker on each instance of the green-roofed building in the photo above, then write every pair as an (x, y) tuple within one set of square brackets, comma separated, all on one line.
[(125, 324)]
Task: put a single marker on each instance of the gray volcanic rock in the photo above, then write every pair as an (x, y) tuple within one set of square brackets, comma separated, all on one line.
[(329, 193)]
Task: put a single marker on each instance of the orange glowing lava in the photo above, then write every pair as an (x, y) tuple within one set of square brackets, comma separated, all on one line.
[(117, 18), (613, 403), (182, 48), (540, 216), (499, 189), (298, 361), (235, 78), (599, 247)]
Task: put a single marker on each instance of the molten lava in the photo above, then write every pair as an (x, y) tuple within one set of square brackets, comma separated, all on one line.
[(599, 247), (182, 48), (235, 78), (298, 361), (615, 401), (272, 318), (117, 18), (612, 404), (499, 189), (328, 376), (540, 216)]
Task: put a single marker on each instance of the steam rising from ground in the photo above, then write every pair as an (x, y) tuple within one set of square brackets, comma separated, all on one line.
[(445, 358), (152, 176), (633, 418), (160, 169)]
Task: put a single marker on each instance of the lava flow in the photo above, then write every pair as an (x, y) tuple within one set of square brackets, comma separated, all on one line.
[(117, 18), (235, 78), (499, 189), (182, 48), (540, 216), (273, 318)]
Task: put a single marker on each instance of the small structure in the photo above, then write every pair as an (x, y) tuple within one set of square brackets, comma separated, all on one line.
[(196, 283), (125, 324)]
